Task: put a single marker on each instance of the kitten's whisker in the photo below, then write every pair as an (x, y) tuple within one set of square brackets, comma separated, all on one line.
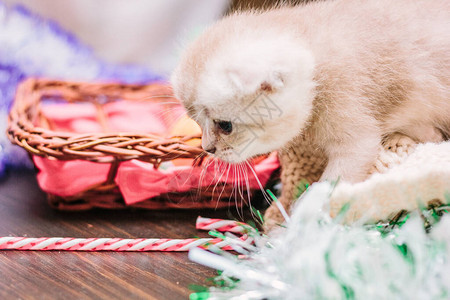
[(216, 171), (247, 184), (241, 190), (163, 114), (205, 170), (218, 181), (213, 160), (202, 172), (204, 167), (236, 185), (189, 176), (241, 172), (159, 96), (249, 194), (197, 114), (237, 200), (224, 186), (266, 197)]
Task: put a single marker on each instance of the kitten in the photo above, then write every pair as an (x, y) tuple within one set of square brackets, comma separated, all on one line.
[(338, 76)]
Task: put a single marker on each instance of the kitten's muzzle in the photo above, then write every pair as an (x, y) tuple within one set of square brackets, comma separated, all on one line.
[(211, 150)]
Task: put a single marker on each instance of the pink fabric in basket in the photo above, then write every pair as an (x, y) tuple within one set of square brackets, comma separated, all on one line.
[(136, 180), (139, 181), (122, 116), (68, 178)]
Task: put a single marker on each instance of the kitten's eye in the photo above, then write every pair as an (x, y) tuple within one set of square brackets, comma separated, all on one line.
[(226, 127)]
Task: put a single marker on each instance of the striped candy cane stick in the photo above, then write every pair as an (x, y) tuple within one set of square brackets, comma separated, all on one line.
[(109, 244), (222, 225), (118, 244)]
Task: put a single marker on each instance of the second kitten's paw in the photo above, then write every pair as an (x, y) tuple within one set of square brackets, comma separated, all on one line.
[(272, 218)]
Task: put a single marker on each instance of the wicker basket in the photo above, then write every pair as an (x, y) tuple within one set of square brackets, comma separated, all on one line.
[(29, 129)]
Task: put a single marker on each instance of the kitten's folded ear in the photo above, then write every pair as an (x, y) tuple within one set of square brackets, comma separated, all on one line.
[(249, 82)]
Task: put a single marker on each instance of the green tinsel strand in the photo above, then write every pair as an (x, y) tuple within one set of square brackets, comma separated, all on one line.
[(198, 288), (199, 296), (348, 291), (302, 186), (260, 216), (217, 234), (407, 255)]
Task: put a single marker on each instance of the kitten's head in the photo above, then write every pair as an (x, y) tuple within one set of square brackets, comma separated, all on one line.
[(251, 93)]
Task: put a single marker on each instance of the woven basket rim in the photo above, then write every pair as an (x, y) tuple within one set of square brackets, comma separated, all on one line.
[(98, 147)]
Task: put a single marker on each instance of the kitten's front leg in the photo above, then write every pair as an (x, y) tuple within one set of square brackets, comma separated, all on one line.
[(351, 161), (299, 161)]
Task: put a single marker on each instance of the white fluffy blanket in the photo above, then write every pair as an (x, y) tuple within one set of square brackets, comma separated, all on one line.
[(413, 180)]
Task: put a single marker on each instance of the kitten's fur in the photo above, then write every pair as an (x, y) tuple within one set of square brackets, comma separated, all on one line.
[(344, 73)]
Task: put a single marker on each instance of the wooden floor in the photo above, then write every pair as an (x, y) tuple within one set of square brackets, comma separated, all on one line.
[(100, 275)]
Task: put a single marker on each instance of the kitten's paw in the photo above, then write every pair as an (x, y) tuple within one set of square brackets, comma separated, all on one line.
[(399, 143), (272, 218), (396, 148)]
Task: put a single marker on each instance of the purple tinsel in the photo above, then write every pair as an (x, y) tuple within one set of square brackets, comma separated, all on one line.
[(32, 46)]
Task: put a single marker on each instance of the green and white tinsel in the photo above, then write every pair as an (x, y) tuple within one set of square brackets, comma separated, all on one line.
[(317, 257)]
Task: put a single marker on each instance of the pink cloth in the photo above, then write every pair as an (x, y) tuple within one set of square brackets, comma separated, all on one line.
[(121, 116), (136, 180), (68, 178), (139, 181)]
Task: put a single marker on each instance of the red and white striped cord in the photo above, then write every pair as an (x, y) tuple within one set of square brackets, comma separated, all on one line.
[(222, 225), (142, 244)]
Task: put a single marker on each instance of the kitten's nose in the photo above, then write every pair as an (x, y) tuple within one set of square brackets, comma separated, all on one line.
[(211, 150)]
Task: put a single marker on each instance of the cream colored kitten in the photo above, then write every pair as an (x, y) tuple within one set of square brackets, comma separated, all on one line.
[(343, 74)]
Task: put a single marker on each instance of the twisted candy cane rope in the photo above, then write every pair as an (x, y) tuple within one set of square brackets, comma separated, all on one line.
[(118, 244), (221, 225)]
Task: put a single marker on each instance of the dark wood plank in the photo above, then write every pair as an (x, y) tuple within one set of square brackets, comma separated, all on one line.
[(108, 275)]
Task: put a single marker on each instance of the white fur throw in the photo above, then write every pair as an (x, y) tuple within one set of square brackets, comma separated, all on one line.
[(405, 181)]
